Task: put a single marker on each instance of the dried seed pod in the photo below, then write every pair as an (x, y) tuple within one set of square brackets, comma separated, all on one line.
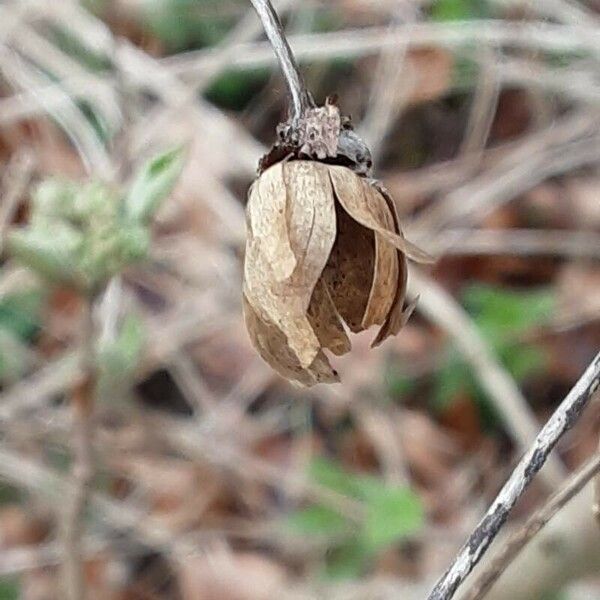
[(324, 248)]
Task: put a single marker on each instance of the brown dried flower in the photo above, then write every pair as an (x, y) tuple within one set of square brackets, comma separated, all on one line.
[(324, 248)]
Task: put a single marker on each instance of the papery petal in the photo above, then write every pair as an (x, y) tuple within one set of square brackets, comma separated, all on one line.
[(385, 276), (271, 344), (398, 315), (349, 271), (266, 213), (361, 201), (312, 229), (325, 321)]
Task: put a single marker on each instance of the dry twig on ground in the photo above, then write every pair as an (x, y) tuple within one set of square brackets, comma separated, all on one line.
[(513, 546), (479, 541)]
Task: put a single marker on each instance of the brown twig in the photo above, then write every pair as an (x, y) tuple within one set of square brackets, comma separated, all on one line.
[(479, 541), (534, 524), (82, 407)]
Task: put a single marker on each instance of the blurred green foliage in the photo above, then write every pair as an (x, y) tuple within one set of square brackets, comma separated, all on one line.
[(189, 24), (152, 184), (20, 313), (9, 494), (20, 318), (502, 317), (80, 235), (234, 89), (459, 10), (118, 359), (392, 514), (9, 589)]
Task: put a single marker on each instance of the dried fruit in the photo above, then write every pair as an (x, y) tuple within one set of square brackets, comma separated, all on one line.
[(324, 248)]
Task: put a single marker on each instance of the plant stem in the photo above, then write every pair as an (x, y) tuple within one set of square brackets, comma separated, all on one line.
[(82, 407), (534, 524), (299, 98), (479, 541)]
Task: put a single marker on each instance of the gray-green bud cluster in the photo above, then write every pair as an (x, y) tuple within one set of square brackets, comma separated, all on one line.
[(80, 235)]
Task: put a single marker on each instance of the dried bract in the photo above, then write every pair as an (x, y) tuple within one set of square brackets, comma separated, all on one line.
[(324, 248)]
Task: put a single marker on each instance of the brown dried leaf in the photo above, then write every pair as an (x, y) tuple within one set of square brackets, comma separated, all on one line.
[(349, 271), (362, 202), (273, 346), (325, 321), (310, 229)]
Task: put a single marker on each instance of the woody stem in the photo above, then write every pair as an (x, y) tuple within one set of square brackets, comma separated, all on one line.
[(299, 98)]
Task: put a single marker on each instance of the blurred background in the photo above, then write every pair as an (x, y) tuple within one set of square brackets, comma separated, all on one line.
[(214, 478)]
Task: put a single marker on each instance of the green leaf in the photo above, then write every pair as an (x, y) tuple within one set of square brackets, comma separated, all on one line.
[(20, 313), (234, 89), (347, 561), (454, 379), (9, 589), (393, 514), (52, 252), (329, 474), (9, 494), (398, 385), (119, 360), (153, 183), (523, 361), (499, 311), (188, 24), (318, 520), (54, 197), (459, 10)]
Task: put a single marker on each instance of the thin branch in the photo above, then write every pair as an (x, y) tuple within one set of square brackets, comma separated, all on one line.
[(516, 242), (358, 43), (483, 110), (300, 99), (392, 86), (559, 423), (534, 524)]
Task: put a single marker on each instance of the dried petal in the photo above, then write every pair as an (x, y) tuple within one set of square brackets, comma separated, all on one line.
[(310, 232), (325, 321), (310, 220), (271, 344), (266, 211), (363, 204), (385, 277), (398, 315), (349, 271)]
